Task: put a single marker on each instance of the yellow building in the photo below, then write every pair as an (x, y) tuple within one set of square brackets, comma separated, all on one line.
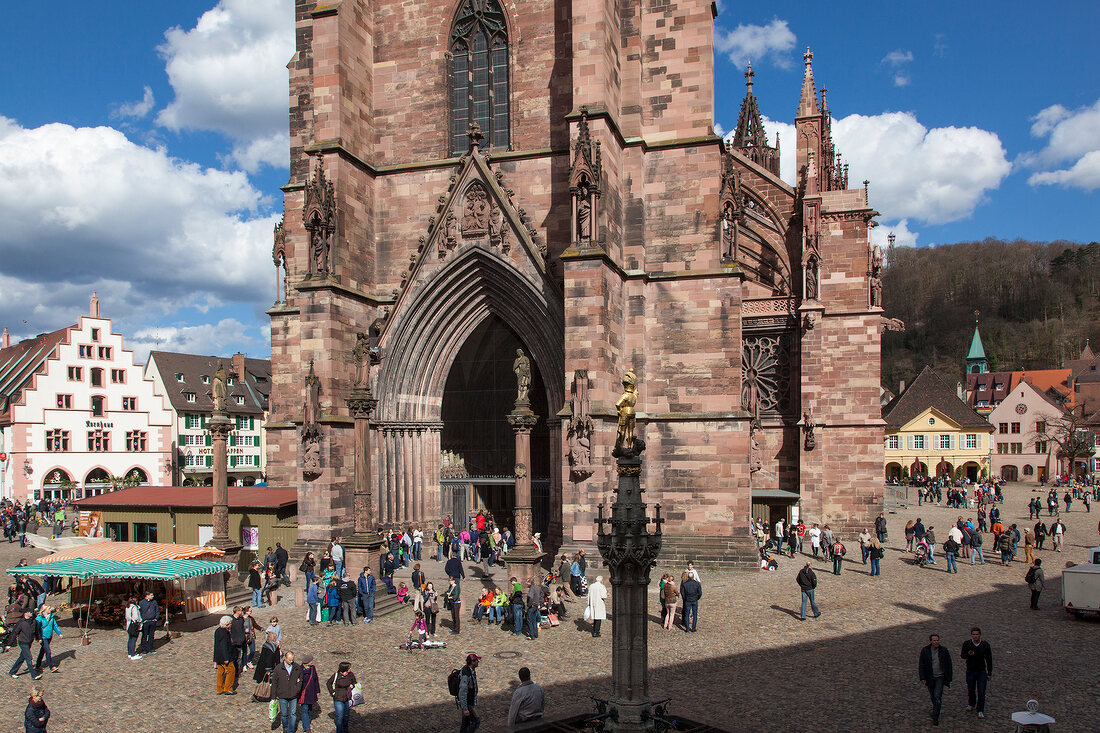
[(931, 432)]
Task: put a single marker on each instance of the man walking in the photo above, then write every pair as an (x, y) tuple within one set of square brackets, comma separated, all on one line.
[(286, 685), (934, 669), (282, 558), (1057, 533), (807, 582), (979, 669), (367, 588), (150, 611), (1035, 582), (467, 694), (528, 701), (691, 590), (337, 554), (26, 631), (880, 528), (454, 570)]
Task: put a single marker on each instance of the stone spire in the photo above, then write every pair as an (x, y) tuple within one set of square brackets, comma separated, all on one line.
[(807, 105), (749, 138)]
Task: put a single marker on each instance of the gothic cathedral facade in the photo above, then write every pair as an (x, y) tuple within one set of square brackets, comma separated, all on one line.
[(473, 177)]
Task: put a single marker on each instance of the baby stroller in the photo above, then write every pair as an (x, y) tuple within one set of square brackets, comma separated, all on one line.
[(921, 553)]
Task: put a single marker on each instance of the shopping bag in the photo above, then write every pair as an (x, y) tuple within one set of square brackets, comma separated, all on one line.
[(273, 710), (588, 613), (324, 613), (355, 695)]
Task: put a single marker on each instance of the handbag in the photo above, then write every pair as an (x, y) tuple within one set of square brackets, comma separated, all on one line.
[(262, 693), (434, 607), (134, 629)]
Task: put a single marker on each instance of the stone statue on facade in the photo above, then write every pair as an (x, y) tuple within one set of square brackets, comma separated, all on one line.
[(584, 214), (360, 355), (808, 425), (522, 367), (755, 460), (311, 424), (876, 277), (626, 443), (217, 389), (319, 246), (475, 220), (811, 278), (729, 234), (581, 428)]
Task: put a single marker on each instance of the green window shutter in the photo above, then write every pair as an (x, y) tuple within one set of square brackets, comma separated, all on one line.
[(250, 425), (202, 421), (209, 461), (232, 460), (207, 438)]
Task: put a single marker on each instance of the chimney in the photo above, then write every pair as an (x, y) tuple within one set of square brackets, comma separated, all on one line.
[(5, 339), (93, 308), (238, 365)]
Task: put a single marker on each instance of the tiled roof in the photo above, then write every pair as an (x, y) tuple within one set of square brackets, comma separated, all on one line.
[(20, 362), (240, 497), (984, 387), (254, 386), (928, 390), (1047, 381)]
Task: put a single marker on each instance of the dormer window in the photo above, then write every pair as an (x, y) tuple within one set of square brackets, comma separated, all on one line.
[(189, 396), (239, 399), (179, 376), (205, 379)]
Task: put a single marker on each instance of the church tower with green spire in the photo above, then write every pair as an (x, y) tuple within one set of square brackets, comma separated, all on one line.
[(976, 363)]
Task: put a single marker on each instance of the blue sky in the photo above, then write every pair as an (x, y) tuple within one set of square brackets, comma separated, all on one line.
[(141, 152)]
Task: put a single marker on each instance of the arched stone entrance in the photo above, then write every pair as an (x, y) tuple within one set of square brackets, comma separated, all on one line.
[(446, 384)]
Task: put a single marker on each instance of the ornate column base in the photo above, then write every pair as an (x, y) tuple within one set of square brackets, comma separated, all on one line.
[(231, 549), (524, 562), (361, 551)]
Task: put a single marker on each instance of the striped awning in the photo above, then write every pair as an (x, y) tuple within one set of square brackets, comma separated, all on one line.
[(134, 552), (164, 569)]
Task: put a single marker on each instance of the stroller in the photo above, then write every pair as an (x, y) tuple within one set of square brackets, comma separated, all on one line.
[(921, 553)]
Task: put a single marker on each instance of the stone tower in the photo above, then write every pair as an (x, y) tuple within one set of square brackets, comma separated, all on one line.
[(472, 177)]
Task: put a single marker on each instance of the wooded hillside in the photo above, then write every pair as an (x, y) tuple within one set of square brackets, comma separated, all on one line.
[(1038, 302)]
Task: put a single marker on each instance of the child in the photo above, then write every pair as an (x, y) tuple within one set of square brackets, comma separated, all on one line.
[(332, 598), (273, 627), (419, 630), (403, 593)]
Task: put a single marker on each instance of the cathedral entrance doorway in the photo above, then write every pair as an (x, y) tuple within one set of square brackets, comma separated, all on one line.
[(476, 440)]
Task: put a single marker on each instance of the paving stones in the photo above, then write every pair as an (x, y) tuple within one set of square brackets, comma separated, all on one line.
[(751, 666)]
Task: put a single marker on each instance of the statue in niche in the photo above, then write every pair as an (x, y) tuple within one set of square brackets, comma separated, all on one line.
[(808, 425), (729, 233), (811, 278), (581, 428), (360, 356), (449, 226), (876, 277), (584, 213), (319, 247), (311, 427), (217, 389), (311, 457), (496, 223), (475, 220), (522, 367), (755, 461), (626, 444)]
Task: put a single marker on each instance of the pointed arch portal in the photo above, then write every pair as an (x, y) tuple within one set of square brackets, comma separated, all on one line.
[(446, 385)]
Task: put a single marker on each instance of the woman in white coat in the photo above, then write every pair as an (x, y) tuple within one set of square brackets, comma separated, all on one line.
[(597, 608)]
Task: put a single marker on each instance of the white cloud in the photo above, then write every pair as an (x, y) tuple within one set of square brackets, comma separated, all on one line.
[(903, 237), (898, 57), (719, 130), (933, 176), (87, 209), (228, 334), (229, 75), (137, 109), (756, 42), (901, 80), (1072, 135)]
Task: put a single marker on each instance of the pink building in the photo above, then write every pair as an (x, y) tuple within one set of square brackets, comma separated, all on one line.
[(1022, 450)]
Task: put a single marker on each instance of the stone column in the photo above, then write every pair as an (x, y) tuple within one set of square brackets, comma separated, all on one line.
[(358, 547), (524, 555), (219, 427)]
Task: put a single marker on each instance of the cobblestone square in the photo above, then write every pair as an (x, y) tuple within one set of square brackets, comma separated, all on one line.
[(752, 665)]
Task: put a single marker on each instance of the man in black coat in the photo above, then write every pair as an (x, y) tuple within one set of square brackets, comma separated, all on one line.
[(286, 685), (348, 593), (238, 640), (979, 669), (150, 612), (690, 591), (26, 631), (224, 657), (934, 670), (807, 583), (282, 558), (454, 569)]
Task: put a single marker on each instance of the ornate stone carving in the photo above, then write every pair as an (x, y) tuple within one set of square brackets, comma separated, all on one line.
[(755, 461), (891, 324), (811, 277), (520, 470), (581, 429), (360, 355), (311, 426), (475, 218), (278, 257), (585, 173), (875, 274), (767, 307), (626, 443), (319, 217), (217, 389), (731, 211), (808, 425), (522, 367), (765, 374)]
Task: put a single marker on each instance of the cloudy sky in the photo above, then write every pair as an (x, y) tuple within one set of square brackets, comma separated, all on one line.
[(141, 153)]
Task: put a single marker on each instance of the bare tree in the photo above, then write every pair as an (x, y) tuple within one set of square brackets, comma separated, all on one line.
[(1072, 434)]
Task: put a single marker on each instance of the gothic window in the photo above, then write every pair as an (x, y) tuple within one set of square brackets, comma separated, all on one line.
[(479, 74), (766, 374)]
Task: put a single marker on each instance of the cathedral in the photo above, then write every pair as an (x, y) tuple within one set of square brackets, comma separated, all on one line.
[(479, 178)]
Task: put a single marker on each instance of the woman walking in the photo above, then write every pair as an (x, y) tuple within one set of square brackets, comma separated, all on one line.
[(308, 567), (37, 714), (47, 630), (339, 687), (910, 534), (431, 607), (133, 633), (311, 690)]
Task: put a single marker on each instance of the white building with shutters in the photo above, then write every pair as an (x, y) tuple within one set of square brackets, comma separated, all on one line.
[(185, 380)]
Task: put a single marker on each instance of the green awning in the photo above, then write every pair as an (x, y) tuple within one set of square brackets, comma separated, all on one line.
[(84, 568)]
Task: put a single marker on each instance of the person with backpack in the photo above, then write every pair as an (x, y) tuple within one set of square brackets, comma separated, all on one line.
[(462, 684), (1035, 582), (837, 551), (1004, 544)]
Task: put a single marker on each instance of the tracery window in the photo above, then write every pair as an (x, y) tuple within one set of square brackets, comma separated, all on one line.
[(766, 374), (479, 74)]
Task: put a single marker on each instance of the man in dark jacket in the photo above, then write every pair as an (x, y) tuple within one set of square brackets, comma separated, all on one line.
[(367, 587), (934, 670), (348, 593), (979, 669), (286, 685), (690, 591), (26, 631), (225, 656), (880, 527), (807, 583), (238, 639), (150, 611), (467, 694), (282, 557), (453, 568)]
